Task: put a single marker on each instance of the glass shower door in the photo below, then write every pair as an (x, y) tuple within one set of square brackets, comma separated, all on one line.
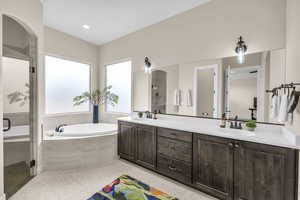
[(17, 124)]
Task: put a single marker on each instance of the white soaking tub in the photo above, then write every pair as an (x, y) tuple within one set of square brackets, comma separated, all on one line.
[(83, 130), (17, 133), (80, 146)]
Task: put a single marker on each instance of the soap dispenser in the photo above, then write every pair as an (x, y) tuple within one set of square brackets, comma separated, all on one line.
[(223, 121)]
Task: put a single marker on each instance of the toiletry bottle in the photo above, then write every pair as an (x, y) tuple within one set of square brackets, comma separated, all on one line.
[(223, 121)]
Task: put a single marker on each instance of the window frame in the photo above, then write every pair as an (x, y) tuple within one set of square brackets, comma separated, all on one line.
[(91, 72), (131, 88)]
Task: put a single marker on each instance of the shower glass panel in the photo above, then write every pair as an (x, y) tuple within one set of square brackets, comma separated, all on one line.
[(17, 140), (19, 97)]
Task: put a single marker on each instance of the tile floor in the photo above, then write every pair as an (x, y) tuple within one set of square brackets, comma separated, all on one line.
[(82, 183)]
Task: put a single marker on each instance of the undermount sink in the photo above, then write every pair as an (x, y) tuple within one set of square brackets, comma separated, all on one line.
[(237, 132)]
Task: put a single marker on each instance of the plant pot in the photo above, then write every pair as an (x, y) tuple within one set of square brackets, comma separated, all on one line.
[(250, 129), (140, 114), (95, 114)]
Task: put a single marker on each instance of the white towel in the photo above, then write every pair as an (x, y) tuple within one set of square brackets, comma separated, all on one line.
[(177, 97), (189, 99), (275, 106), (283, 111)]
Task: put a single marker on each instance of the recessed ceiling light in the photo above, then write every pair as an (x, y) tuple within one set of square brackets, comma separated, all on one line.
[(87, 27)]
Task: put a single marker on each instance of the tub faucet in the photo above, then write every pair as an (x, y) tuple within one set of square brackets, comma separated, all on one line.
[(59, 128)]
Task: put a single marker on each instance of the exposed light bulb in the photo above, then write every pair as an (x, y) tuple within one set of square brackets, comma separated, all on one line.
[(147, 70), (241, 56), (241, 50), (147, 66), (87, 27)]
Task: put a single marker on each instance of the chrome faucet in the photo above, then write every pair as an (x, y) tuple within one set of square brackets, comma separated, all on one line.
[(59, 128), (148, 115), (236, 124)]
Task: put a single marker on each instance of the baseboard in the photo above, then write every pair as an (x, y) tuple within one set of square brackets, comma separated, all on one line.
[(3, 197)]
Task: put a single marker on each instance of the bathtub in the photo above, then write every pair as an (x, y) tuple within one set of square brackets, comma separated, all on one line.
[(16, 145), (17, 132), (83, 130), (80, 146)]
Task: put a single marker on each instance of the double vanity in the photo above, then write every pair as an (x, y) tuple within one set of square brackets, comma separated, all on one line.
[(225, 163)]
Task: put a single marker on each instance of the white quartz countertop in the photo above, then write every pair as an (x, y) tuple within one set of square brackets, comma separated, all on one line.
[(265, 134)]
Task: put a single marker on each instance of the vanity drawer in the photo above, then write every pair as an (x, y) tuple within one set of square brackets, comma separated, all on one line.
[(175, 149), (174, 168), (174, 134)]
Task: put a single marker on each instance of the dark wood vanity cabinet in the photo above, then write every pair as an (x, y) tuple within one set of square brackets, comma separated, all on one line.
[(126, 140), (239, 170), (213, 165), (137, 143), (174, 154), (224, 168), (264, 172), (146, 146)]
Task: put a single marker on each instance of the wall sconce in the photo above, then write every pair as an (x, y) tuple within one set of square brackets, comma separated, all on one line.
[(147, 65), (241, 50)]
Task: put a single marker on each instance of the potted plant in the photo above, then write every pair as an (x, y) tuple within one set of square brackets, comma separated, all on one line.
[(251, 125), (97, 98), (140, 114)]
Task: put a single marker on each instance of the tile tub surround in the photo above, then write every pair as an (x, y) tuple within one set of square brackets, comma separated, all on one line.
[(72, 153), (264, 134)]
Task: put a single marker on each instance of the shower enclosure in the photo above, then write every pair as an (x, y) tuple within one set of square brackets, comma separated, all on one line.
[(19, 103), (159, 91)]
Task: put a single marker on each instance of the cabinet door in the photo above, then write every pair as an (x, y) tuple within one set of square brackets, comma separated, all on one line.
[(126, 141), (213, 166), (264, 172), (146, 146)]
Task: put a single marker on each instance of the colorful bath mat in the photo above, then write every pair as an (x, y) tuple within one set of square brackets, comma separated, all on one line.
[(128, 188)]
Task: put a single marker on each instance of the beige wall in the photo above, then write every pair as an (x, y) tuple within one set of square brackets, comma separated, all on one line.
[(206, 32), (64, 46), (2, 197), (292, 45), (30, 12)]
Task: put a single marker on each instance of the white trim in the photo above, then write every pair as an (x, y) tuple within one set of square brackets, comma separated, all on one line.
[(216, 88), (67, 114), (132, 86), (92, 86)]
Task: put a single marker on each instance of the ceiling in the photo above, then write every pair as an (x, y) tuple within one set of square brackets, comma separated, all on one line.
[(110, 19)]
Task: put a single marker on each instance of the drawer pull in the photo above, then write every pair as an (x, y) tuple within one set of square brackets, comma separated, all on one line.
[(172, 168), (236, 145), (230, 144)]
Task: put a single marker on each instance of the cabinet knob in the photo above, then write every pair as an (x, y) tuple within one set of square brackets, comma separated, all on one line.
[(230, 144), (236, 145), (172, 168)]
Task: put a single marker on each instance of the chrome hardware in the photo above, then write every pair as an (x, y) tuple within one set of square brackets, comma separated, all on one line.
[(172, 168), (236, 145), (230, 144), (8, 124), (59, 128)]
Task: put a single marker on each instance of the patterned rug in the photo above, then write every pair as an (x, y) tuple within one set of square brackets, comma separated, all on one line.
[(128, 188)]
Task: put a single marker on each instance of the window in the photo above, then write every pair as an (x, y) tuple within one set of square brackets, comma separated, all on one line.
[(64, 80), (119, 77)]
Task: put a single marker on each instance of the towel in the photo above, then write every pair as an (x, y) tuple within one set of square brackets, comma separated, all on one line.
[(283, 111), (275, 106), (177, 97), (189, 100)]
